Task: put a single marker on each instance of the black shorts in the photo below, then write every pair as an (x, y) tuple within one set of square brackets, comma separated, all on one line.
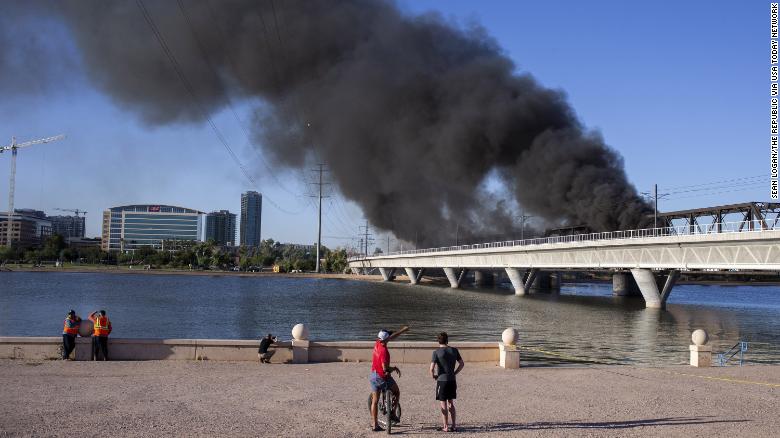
[(446, 390)]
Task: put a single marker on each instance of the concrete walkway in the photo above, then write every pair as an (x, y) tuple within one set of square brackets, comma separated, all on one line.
[(187, 398)]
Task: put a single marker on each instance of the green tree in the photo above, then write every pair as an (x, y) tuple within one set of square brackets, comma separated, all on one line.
[(335, 261), (52, 247)]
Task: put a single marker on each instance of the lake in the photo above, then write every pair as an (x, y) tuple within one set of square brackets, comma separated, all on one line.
[(584, 320)]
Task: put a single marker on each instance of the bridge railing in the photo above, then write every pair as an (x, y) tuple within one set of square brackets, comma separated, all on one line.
[(681, 230)]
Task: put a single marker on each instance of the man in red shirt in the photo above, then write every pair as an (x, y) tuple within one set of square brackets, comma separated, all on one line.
[(381, 372)]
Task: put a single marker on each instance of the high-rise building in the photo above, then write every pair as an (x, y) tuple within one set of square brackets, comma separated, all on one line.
[(251, 212), (68, 226), (221, 227), (130, 227), (29, 228)]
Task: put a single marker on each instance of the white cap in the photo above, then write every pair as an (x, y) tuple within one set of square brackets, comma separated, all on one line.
[(383, 335)]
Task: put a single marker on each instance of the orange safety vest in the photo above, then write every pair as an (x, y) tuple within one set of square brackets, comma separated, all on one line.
[(102, 326), (71, 326)]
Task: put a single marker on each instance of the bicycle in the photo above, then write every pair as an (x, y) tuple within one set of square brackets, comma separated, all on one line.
[(385, 409)]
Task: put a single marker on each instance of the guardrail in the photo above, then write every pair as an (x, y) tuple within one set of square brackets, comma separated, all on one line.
[(683, 230), (739, 348)]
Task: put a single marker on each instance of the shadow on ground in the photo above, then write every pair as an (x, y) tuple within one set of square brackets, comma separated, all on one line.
[(508, 427)]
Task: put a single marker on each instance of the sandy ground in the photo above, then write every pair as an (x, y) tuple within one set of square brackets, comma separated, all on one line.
[(184, 398)]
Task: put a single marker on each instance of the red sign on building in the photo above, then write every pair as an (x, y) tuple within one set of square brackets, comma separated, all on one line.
[(154, 209)]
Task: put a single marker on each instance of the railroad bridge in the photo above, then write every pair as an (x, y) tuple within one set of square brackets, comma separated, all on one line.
[(654, 257)]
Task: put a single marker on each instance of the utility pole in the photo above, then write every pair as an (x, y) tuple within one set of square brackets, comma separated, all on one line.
[(523, 217), (654, 197), (366, 237), (655, 204), (320, 169), (14, 147)]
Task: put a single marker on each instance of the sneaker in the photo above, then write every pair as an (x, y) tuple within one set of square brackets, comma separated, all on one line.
[(376, 428)]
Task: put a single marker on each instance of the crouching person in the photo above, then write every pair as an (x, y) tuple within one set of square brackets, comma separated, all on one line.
[(262, 353)]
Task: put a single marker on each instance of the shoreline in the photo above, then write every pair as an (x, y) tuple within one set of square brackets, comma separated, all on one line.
[(123, 270), (356, 277)]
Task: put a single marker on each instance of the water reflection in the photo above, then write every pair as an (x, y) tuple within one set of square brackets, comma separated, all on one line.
[(583, 320)]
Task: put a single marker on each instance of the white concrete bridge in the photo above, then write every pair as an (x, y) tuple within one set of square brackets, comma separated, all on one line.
[(655, 257)]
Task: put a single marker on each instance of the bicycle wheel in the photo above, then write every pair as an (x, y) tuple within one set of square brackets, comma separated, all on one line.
[(388, 409)]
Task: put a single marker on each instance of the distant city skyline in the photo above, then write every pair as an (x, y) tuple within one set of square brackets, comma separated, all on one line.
[(681, 112)]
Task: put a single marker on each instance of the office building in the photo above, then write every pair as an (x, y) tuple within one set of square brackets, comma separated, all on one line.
[(30, 228), (221, 227), (251, 213), (68, 226), (130, 227)]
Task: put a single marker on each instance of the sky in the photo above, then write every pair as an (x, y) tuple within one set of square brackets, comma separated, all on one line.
[(679, 89)]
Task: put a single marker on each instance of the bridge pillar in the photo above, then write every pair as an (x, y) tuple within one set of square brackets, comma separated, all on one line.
[(530, 277), (412, 274), (546, 282), (648, 286), (517, 280), (671, 280), (483, 278), (454, 277), (388, 274), (623, 285), (521, 282)]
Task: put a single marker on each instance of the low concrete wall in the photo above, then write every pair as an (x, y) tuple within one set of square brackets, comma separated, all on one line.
[(30, 348), (236, 350), (400, 352)]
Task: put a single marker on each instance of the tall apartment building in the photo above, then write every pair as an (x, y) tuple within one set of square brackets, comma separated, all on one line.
[(251, 213), (130, 227), (221, 227), (68, 226)]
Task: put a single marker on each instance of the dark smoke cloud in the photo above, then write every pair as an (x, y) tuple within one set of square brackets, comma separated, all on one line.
[(417, 117)]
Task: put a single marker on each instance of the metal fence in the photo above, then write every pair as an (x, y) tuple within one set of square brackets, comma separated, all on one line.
[(756, 226)]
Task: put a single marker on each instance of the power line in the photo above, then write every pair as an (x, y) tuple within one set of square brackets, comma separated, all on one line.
[(241, 124), (191, 91), (718, 182), (699, 195)]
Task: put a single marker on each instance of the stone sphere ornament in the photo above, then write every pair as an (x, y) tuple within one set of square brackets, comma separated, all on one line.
[(509, 336), (300, 332), (699, 337), (86, 328)]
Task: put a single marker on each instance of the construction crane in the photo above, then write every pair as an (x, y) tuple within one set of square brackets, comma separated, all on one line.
[(13, 147), (77, 211)]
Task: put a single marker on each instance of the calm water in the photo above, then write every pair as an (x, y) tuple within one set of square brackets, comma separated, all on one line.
[(584, 320)]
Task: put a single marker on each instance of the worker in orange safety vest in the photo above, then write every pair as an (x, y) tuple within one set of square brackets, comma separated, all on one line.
[(70, 329), (102, 328)]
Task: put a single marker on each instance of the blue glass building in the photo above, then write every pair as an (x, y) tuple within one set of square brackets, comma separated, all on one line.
[(130, 227), (251, 215)]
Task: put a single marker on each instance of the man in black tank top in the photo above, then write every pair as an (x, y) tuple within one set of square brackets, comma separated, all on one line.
[(443, 371)]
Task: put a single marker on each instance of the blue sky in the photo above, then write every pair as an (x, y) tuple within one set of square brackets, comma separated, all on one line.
[(680, 89)]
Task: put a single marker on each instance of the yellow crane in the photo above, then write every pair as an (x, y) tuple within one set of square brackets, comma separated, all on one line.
[(13, 147)]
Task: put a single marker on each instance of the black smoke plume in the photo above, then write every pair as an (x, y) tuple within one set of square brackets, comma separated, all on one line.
[(424, 123)]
